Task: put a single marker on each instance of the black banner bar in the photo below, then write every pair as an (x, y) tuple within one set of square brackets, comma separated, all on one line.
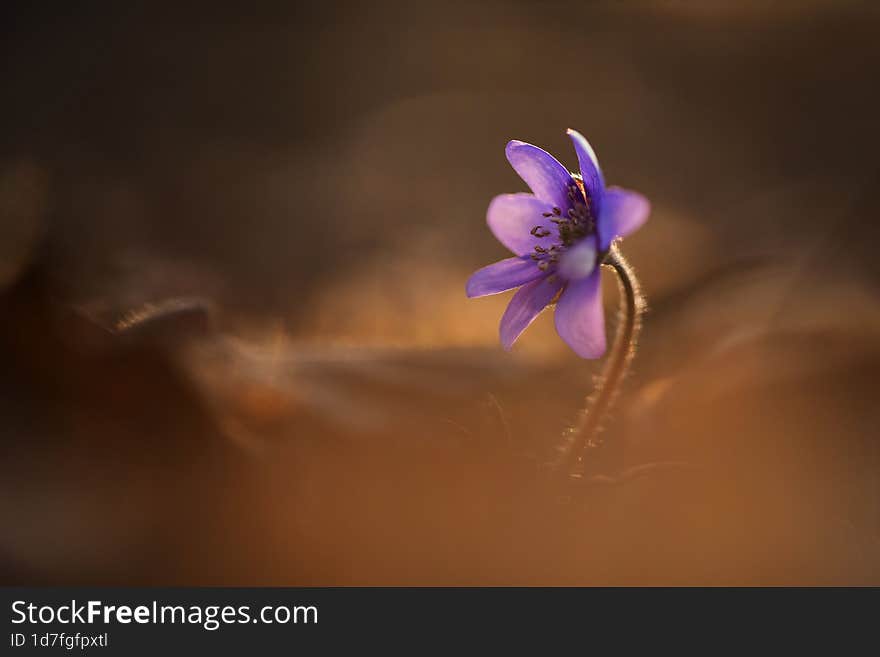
[(153, 621)]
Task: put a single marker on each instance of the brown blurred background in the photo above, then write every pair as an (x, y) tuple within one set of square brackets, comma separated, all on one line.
[(322, 405)]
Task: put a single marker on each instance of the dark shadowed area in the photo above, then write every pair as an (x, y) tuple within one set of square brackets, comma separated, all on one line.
[(234, 338)]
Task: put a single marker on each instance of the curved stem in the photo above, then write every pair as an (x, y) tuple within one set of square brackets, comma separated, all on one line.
[(632, 304)]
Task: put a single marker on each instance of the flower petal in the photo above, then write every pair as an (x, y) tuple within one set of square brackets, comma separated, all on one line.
[(579, 316), (512, 217), (524, 307), (594, 183), (502, 276), (545, 176), (622, 213)]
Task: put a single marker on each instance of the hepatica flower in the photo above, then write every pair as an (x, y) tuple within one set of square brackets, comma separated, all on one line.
[(560, 234)]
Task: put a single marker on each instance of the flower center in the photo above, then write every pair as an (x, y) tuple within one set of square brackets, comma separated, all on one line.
[(579, 261), (574, 257)]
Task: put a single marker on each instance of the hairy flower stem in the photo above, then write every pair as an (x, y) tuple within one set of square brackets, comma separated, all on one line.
[(585, 435)]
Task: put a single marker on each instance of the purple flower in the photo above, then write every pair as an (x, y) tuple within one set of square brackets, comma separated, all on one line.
[(560, 233)]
